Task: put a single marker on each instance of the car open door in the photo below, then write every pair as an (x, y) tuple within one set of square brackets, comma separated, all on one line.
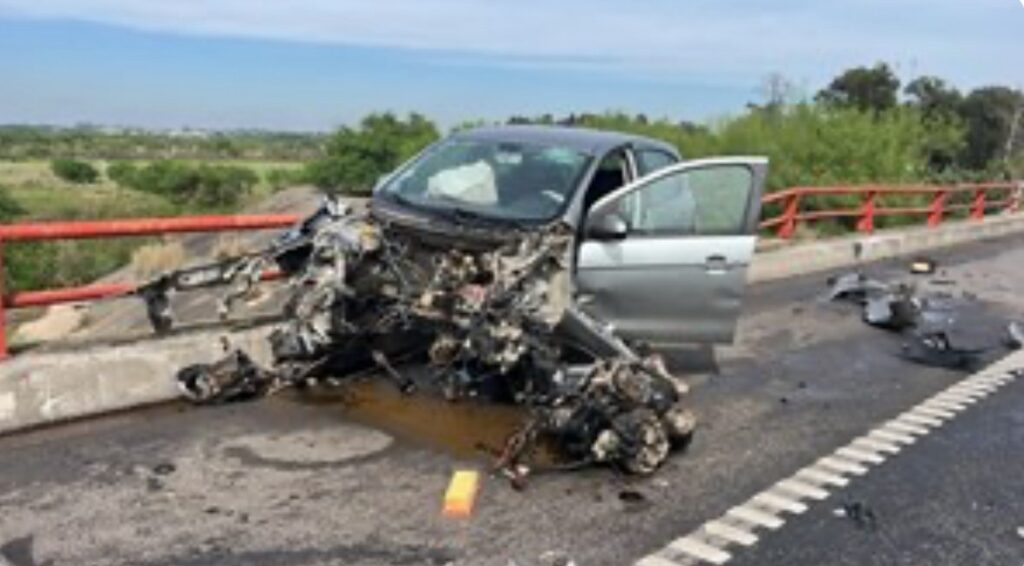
[(664, 259)]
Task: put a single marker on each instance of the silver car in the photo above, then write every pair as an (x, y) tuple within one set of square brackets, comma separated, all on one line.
[(662, 244), (540, 266)]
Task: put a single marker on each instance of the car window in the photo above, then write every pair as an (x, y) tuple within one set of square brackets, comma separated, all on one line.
[(706, 201), (504, 180), (650, 160)]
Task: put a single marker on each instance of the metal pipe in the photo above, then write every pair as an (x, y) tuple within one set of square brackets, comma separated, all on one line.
[(142, 227), (69, 295)]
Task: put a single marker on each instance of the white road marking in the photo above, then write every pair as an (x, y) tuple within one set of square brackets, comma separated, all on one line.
[(892, 436), (822, 477), (655, 560), (960, 397), (839, 465), (711, 541), (774, 500), (979, 388), (908, 428), (925, 420), (700, 550), (859, 455), (735, 534), (945, 404), (755, 516), (934, 412), (802, 489), (877, 445)]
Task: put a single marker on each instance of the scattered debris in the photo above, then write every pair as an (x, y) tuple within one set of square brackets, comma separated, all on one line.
[(858, 512), (634, 500), (922, 266), (495, 321), (19, 551), (1015, 335), (164, 468), (461, 494), (1020, 532), (940, 329)]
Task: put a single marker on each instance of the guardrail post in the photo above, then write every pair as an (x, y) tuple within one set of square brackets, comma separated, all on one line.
[(866, 223), (937, 207), (789, 214), (3, 312), (978, 204), (1015, 199)]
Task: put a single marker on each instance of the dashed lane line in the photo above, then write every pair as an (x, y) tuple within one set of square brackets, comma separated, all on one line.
[(715, 541)]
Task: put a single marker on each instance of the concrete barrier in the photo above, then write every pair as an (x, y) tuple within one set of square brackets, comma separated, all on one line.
[(811, 257), (46, 387)]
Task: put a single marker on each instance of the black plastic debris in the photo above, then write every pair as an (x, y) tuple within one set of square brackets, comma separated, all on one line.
[(1015, 335), (164, 468), (935, 350), (855, 287), (940, 329), (859, 513), (632, 497)]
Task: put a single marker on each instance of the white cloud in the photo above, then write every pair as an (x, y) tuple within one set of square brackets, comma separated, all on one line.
[(721, 39)]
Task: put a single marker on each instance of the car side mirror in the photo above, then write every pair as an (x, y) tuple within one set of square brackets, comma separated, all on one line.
[(608, 226)]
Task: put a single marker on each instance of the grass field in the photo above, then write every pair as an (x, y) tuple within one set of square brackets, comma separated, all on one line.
[(44, 196)]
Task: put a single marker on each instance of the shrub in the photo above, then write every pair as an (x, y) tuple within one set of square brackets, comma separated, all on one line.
[(123, 173), (222, 186), (355, 158), (281, 178), (204, 186), (9, 208), (72, 171)]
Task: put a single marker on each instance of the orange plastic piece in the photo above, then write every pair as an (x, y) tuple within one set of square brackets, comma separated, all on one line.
[(461, 494)]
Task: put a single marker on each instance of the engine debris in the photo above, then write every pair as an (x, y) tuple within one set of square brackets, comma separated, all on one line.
[(496, 322)]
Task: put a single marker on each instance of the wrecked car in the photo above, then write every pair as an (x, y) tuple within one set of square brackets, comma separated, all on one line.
[(542, 266)]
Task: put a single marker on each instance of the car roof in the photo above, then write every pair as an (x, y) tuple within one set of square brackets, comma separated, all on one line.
[(586, 140)]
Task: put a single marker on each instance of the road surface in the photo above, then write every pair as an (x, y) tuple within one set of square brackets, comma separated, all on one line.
[(357, 478)]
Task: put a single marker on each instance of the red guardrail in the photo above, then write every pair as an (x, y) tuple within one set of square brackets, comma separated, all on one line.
[(798, 205), (41, 231), (941, 201)]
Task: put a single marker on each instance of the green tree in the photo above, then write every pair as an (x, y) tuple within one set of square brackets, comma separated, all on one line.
[(939, 105), (356, 157), (72, 171), (934, 97), (875, 88), (990, 115)]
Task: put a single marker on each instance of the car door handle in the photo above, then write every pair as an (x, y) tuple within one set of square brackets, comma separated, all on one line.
[(716, 264)]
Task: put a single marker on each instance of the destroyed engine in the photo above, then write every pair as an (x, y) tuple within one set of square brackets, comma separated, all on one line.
[(495, 322)]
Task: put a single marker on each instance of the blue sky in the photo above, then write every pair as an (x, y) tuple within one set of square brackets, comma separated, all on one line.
[(314, 64)]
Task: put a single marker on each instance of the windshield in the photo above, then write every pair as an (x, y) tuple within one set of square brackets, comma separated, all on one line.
[(492, 179)]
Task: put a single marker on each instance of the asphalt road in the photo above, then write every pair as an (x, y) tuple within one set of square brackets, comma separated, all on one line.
[(357, 479)]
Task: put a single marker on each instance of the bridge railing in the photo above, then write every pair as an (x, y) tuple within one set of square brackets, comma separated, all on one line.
[(43, 231), (794, 206), (790, 208)]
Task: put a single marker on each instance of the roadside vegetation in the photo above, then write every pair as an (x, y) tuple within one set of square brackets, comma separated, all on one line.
[(866, 126)]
